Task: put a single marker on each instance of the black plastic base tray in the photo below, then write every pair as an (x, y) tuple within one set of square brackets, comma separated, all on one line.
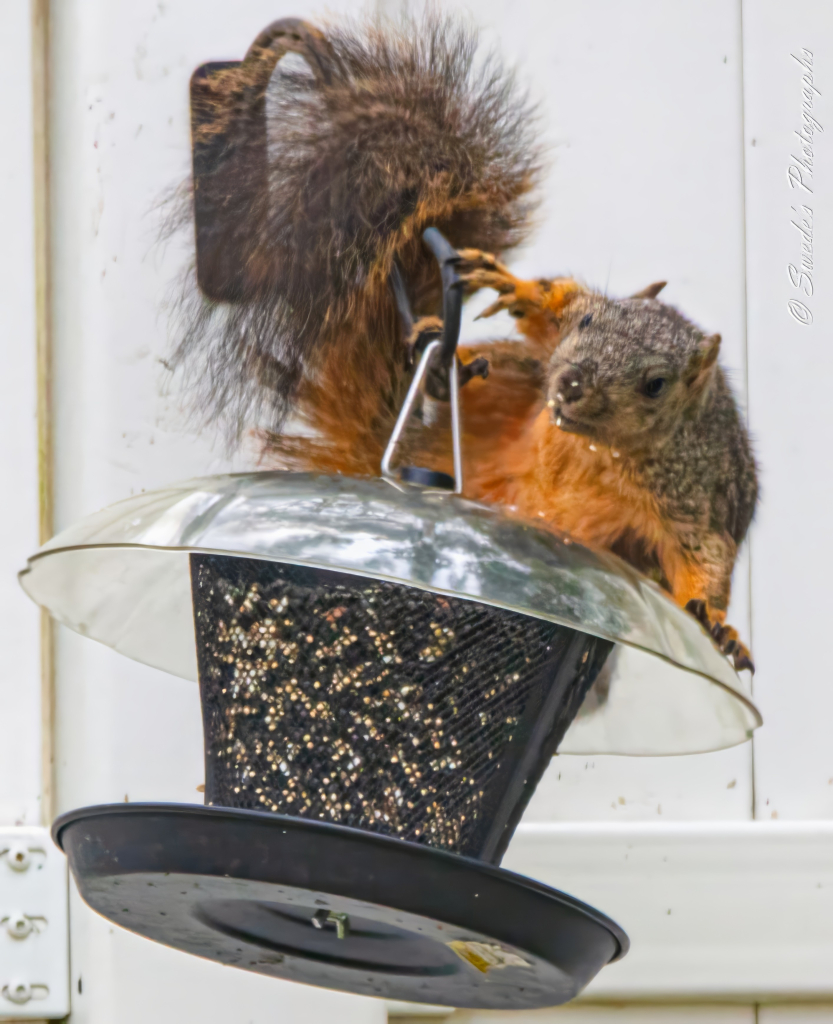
[(333, 906)]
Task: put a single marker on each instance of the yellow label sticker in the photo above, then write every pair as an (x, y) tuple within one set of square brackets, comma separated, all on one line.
[(483, 956)]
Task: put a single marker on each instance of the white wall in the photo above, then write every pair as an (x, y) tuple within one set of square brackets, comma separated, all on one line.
[(19, 623), (653, 108), (793, 553), (644, 105)]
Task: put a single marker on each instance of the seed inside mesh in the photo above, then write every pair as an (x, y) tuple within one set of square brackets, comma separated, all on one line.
[(363, 702)]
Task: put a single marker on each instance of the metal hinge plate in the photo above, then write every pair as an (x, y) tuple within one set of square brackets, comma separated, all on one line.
[(34, 926)]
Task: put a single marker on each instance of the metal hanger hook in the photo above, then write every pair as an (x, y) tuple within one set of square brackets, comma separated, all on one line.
[(446, 348)]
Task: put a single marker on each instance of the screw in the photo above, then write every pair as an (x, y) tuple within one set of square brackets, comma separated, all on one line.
[(17, 992), (18, 858), (342, 922), (18, 925)]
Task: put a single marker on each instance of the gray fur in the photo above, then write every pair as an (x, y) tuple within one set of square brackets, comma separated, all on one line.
[(688, 446)]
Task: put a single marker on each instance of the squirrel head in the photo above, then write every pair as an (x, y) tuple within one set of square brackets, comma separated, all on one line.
[(628, 371)]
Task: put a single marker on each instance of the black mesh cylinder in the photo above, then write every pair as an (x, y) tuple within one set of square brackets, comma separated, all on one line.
[(377, 705)]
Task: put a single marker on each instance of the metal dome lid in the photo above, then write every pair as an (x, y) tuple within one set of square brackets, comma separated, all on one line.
[(121, 576)]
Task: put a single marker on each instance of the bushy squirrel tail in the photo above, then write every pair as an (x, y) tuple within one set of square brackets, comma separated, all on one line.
[(378, 134)]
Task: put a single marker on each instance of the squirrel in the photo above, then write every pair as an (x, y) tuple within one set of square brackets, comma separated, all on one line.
[(608, 420)]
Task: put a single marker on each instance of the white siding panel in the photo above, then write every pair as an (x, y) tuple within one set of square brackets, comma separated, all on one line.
[(20, 750), (643, 102), (791, 413), (609, 1015), (737, 910), (795, 1015)]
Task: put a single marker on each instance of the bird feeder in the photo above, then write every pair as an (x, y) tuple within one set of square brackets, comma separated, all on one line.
[(385, 673), (385, 669)]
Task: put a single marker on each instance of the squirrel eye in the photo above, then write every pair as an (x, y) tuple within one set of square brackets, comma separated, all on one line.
[(654, 387), (585, 321)]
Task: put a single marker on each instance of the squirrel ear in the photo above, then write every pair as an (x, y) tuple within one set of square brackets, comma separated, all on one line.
[(702, 360), (651, 291)]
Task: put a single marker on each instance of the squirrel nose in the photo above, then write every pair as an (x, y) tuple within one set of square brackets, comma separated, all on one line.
[(571, 385)]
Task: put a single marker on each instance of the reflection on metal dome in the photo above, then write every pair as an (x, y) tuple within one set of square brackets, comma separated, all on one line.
[(122, 577)]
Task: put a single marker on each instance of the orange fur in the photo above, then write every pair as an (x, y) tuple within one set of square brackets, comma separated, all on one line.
[(584, 490), (514, 456)]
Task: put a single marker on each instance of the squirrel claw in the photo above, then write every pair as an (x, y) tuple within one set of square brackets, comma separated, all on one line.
[(436, 382), (697, 608), (742, 662), (520, 298), (478, 367), (517, 307), (426, 330), (478, 270), (725, 637)]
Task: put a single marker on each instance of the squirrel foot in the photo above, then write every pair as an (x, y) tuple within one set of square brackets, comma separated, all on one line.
[(725, 637), (426, 330), (479, 269)]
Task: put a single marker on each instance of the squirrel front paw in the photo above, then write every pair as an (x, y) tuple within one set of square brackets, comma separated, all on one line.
[(478, 269), (725, 637), (541, 303)]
